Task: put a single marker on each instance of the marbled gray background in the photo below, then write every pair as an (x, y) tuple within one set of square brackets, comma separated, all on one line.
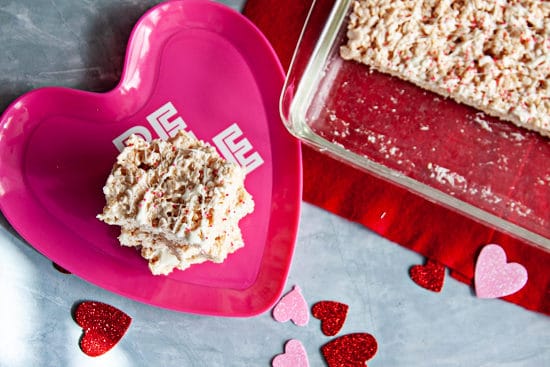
[(81, 44)]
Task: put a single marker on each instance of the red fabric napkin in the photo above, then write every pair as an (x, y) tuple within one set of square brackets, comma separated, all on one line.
[(393, 212)]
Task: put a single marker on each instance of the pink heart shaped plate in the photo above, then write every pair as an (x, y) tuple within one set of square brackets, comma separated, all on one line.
[(191, 64)]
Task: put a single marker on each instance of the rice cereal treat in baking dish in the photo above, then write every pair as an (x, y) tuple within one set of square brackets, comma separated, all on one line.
[(178, 201), (493, 55)]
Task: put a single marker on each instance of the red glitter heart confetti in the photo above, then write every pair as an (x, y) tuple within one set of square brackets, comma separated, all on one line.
[(351, 350), (430, 275), (332, 315), (103, 326)]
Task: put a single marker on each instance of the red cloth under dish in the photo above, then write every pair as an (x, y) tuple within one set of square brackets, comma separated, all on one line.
[(393, 212)]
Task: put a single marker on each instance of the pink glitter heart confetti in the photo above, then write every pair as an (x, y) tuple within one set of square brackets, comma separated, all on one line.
[(494, 277), (293, 307), (294, 356)]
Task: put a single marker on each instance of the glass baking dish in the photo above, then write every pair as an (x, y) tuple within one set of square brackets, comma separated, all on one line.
[(454, 155)]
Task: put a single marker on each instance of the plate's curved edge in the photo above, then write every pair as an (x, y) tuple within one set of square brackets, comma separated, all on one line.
[(154, 16)]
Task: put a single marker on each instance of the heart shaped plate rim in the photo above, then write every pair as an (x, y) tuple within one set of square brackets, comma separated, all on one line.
[(24, 211)]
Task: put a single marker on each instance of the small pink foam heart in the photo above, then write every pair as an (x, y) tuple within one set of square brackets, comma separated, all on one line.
[(293, 307), (494, 277), (294, 356)]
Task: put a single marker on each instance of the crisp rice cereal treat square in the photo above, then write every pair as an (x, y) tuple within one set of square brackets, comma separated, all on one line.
[(493, 55), (177, 201)]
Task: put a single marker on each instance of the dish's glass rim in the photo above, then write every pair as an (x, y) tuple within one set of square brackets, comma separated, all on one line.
[(295, 120)]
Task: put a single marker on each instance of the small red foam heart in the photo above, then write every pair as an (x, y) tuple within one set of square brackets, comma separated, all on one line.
[(351, 350), (332, 315), (430, 276), (103, 325)]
